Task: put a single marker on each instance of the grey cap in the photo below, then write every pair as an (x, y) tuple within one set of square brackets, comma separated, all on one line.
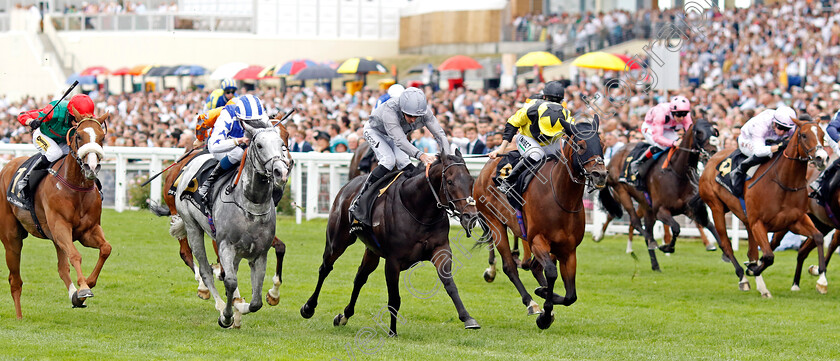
[(413, 102)]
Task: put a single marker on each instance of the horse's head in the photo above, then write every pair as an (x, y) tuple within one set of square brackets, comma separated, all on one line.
[(705, 138), (271, 155), (85, 142), (807, 144), (456, 188), (588, 153)]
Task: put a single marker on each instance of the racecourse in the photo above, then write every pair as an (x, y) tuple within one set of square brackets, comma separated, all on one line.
[(145, 308)]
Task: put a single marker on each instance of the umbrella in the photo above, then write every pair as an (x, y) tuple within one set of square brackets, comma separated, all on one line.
[(158, 71), (294, 66), (331, 64), (227, 70), (187, 70), (419, 68), (250, 73), (139, 70), (361, 66), (317, 72), (634, 64), (82, 79), (460, 63), (538, 58), (600, 60), (121, 71), (95, 70)]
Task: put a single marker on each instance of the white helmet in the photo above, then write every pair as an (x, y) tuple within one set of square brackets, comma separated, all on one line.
[(396, 90), (413, 102), (249, 107), (784, 116)]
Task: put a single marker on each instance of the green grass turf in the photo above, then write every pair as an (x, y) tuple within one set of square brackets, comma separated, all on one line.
[(145, 308)]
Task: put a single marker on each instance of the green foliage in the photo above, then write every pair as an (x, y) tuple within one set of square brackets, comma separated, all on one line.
[(285, 206), (138, 196), (146, 309)]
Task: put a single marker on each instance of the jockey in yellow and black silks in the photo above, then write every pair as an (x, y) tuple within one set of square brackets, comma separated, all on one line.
[(536, 128)]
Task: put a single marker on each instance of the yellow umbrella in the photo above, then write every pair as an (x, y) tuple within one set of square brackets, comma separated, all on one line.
[(538, 58), (600, 60)]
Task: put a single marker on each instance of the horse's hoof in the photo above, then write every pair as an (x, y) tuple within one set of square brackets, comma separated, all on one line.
[(76, 301), (85, 293), (814, 270), (666, 248), (749, 272), (822, 289), (306, 311), (656, 269), (711, 248), (526, 265), (204, 294), (544, 320), (223, 324), (744, 286), (794, 288), (725, 258), (489, 277), (598, 239), (471, 324), (766, 295), (534, 309), (271, 301), (339, 320)]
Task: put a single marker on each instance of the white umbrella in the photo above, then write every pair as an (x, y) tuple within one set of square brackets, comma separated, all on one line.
[(227, 70)]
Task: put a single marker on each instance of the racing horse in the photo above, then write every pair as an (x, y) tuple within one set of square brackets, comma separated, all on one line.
[(68, 208), (410, 225), (775, 199), (355, 162), (552, 214), (666, 235), (245, 219), (179, 233), (670, 189)]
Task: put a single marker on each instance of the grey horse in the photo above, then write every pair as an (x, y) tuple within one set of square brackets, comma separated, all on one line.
[(244, 219)]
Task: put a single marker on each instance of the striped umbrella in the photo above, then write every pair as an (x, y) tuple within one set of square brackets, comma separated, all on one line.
[(294, 66), (361, 66)]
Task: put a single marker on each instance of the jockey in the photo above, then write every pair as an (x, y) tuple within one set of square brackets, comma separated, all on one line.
[(660, 131), (769, 126), (387, 131), (50, 129), (539, 131), (221, 96), (394, 91), (833, 131), (228, 141), (205, 122)]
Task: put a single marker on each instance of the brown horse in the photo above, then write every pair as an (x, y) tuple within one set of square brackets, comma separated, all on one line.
[(670, 189), (775, 200), (666, 234), (552, 213), (185, 250), (360, 153), (68, 209)]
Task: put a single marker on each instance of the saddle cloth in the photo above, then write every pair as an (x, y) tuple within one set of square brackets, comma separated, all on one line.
[(638, 152), (24, 198), (725, 168), (191, 192)]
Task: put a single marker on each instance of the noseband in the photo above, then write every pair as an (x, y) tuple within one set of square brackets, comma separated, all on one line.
[(75, 131), (450, 207), (587, 175)]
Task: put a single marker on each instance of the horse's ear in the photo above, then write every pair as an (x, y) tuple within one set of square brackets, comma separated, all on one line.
[(597, 120), (249, 130), (458, 153), (76, 115), (103, 121)]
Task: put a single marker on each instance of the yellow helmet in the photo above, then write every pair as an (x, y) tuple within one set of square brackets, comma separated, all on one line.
[(549, 118)]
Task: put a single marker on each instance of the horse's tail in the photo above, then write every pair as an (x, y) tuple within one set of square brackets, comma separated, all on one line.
[(609, 204), (177, 228), (698, 210), (158, 209)]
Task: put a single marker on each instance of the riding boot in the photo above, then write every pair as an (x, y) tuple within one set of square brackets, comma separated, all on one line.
[(208, 183), (739, 174), (641, 176), (38, 164), (374, 176), (524, 163), (817, 185)]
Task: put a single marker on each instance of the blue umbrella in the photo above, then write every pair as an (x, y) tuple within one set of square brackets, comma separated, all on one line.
[(83, 79), (188, 70)]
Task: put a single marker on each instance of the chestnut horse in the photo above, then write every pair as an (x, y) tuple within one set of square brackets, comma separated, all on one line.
[(552, 213), (775, 199), (68, 208), (186, 252), (670, 189)]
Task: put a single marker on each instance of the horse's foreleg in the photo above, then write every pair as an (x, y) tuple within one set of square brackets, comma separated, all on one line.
[(650, 221), (392, 280), (500, 240), (801, 255), (63, 238), (258, 266), (490, 271), (369, 263), (442, 259), (338, 239), (64, 271), (272, 297), (722, 237), (806, 228), (186, 253), (758, 238), (230, 261), (96, 239), (541, 249), (13, 244), (667, 218), (219, 272), (603, 229)]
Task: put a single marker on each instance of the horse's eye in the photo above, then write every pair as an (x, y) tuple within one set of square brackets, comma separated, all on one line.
[(259, 146), (449, 182)]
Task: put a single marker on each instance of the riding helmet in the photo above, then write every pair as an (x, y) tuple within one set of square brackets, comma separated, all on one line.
[(413, 102)]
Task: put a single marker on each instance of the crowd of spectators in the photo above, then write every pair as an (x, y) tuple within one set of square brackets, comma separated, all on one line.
[(746, 61)]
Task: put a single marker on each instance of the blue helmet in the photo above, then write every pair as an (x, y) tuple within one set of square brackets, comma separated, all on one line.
[(228, 84), (249, 107)]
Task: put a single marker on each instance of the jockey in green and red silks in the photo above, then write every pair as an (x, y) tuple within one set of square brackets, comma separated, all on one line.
[(50, 129)]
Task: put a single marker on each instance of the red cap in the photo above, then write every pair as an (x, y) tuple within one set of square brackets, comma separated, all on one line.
[(82, 104)]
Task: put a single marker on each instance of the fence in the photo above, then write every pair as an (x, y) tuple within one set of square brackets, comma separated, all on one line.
[(315, 182)]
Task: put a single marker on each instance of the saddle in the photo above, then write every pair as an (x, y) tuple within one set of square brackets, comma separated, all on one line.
[(520, 185), (174, 188), (191, 192), (637, 153), (24, 198), (367, 200), (727, 165)]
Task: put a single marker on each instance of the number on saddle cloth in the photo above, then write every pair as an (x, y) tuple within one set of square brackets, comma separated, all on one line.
[(23, 198)]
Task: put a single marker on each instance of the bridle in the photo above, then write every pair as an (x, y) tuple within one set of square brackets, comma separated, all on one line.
[(587, 175), (268, 163), (75, 139), (450, 207), (809, 152)]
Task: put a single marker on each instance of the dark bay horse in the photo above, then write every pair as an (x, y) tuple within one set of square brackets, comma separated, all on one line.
[(552, 213), (669, 189), (410, 225), (666, 234), (360, 153), (181, 235), (775, 200), (68, 208)]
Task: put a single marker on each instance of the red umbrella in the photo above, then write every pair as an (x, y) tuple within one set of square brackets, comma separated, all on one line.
[(633, 63), (250, 73), (121, 71), (95, 70), (460, 63)]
